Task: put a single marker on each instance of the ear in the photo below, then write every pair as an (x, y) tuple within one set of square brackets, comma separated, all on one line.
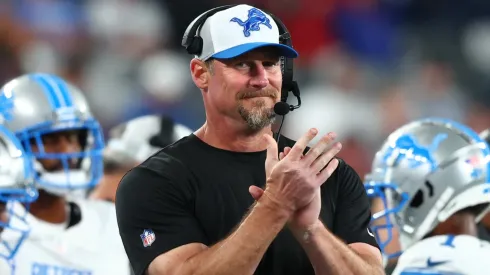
[(200, 73)]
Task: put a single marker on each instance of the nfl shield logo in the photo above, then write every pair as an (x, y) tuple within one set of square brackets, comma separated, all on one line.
[(148, 237)]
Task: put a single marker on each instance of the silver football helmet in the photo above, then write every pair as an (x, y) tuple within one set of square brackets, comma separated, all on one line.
[(134, 141), (425, 172), (36, 105), (16, 186)]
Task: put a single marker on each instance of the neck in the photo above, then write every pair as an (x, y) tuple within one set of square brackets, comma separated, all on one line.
[(230, 138), (458, 224), (49, 208)]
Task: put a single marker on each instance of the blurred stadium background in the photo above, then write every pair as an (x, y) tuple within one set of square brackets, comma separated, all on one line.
[(366, 66)]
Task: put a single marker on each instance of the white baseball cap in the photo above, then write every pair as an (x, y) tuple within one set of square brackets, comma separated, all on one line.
[(239, 29)]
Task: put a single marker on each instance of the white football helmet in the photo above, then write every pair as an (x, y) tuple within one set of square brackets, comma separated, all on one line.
[(134, 141)]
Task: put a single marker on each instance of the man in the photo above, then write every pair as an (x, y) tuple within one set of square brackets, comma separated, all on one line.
[(53, 122), (188, 210), (132, 142), (16, 185), (432, 176)]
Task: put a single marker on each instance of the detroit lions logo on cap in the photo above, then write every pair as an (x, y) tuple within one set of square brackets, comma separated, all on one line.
[(255, 18)]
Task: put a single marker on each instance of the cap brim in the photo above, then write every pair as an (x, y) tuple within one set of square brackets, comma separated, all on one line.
[(284, 50)]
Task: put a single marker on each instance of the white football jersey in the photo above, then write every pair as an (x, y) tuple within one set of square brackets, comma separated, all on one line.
[(91, 247), (446, 255)]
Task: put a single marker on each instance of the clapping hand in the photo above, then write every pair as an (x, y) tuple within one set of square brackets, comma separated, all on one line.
[(294, 179)]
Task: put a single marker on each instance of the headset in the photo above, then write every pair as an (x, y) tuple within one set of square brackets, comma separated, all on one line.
[(193, 43)]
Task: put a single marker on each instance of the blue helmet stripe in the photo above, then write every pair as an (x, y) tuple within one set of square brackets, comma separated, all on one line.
[(63, 88), (48, 90), (54, 88)]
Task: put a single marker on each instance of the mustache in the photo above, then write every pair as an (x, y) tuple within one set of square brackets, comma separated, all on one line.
[(272, 93)]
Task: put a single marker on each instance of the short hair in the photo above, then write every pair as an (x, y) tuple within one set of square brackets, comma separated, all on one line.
[(209, 65)]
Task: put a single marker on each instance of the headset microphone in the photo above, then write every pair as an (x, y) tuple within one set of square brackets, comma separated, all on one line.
[(281, 108)]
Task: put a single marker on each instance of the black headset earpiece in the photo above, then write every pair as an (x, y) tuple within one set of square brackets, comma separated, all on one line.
[(287, 67), (191, 40)]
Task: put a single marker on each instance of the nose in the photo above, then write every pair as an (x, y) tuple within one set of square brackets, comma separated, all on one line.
[(259, 78), (65, 144)]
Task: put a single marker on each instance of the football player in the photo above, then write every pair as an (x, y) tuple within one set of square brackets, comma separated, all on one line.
[(432, 177), (62, 139), (132, 142)]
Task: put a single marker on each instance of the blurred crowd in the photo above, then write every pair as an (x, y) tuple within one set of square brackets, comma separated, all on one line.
[(365, 66)]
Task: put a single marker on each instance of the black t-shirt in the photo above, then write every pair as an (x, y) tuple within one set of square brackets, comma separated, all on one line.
[(191, 192)]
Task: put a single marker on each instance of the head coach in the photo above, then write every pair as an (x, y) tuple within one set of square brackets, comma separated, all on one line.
[(223, 200)]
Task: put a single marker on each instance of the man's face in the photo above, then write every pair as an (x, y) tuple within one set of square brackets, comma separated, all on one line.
[(59, 142), (246, 87)]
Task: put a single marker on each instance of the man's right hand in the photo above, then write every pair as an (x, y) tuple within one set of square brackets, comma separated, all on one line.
[(293, 181)]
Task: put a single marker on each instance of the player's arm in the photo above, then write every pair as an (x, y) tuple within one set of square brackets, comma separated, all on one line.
[(330, 254), (150, 200), (239, 253)]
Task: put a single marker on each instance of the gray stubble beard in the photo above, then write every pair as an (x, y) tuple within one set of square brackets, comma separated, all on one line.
[(259, 117)]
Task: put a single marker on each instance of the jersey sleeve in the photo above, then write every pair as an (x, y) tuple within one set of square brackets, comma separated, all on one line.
[(155, 213), (352, 213)]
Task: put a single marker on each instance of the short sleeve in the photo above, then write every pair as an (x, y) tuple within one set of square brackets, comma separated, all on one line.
[(155, 214), (352, 213)]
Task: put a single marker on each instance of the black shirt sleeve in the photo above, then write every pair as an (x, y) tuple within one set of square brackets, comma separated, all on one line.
[(155, 197), (352, 214)]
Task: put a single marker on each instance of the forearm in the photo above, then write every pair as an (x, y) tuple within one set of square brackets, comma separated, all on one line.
[(242, 250), (331, 256)]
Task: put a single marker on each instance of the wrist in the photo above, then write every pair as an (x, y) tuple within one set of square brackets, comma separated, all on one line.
[(278, 209), (305, 234)]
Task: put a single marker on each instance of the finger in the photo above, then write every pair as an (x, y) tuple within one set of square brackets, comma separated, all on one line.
[(319, 148), (284, 153), (256, 192), (328, 171), (272, 151), (324, 159), (300, 145)]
